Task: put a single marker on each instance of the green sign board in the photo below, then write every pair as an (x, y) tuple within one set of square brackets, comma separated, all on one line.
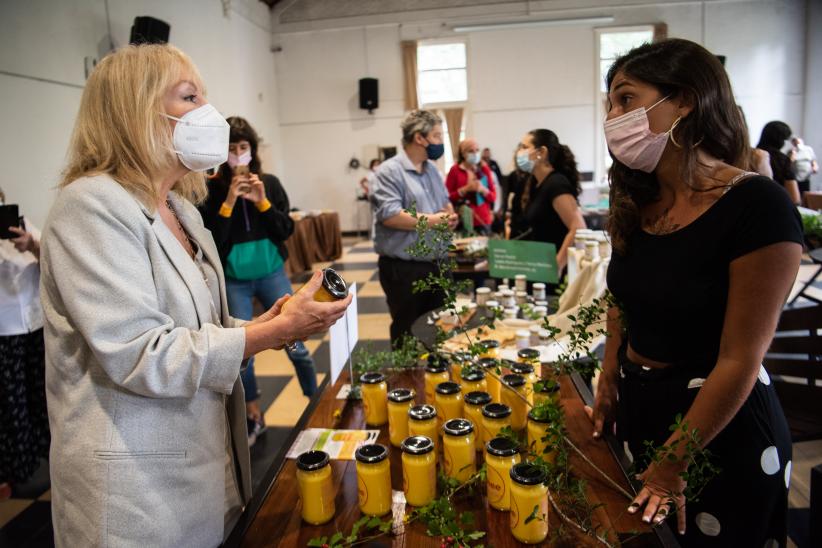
[(537, 260)]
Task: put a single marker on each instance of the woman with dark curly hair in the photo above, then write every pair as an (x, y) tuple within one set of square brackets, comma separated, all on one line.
[(705, 254), (550, 211)]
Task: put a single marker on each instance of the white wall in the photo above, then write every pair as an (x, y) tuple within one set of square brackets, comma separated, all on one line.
[(519, 79), (42, 39)]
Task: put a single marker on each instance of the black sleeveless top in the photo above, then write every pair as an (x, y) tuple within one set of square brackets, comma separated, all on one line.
[(674, 287)]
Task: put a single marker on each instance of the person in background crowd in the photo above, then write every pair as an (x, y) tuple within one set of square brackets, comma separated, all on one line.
[(759, 159), (470, 181), (772, 139), (145, 403), (705, 254), (804, 164), (409, 179), (247, 213), (515, 225), (549, 200), (486, 157), (367, 182), (24, 429)]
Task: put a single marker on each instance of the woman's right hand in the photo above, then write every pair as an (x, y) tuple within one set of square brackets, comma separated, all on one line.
[(604, 404), (238, 187), (306, 316)]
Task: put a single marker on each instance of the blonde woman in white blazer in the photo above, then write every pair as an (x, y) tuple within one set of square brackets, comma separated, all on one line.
[(146, 409)]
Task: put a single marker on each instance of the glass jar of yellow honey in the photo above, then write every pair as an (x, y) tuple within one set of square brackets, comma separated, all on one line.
[(419, 470), (422, 421), (400, 401), (537, 431), (333, 288), (434, 374), (316, 487), (495, 417), (373, 479), (529, 356), (548, 389), (448, 401), (458, 361), (493, 370), (459, 449), (513, 395), (527, 493), (472, 409), (490, 348), (527, 372), (374, 398), (473, 379), (500, 455)]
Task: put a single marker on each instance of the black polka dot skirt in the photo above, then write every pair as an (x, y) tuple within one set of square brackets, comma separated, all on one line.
[(746, 504), (24, 425)]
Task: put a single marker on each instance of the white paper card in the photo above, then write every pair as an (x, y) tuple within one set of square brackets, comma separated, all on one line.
[(345, 328)]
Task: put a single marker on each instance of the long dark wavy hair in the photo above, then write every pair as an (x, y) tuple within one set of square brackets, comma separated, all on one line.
[(559, 156), (684, 70), (241, 130)]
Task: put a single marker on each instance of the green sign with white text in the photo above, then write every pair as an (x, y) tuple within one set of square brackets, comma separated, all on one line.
[(537, 260)]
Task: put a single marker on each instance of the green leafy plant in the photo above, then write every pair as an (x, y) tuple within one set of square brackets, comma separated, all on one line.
[(812, 226)]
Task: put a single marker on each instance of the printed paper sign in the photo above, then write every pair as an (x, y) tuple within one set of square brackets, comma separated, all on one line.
[(537, 260), (346, 329), (339, 444)]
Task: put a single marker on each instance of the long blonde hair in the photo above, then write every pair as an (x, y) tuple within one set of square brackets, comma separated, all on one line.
[(120, 130)]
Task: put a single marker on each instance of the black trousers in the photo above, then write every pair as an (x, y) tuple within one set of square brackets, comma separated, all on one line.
[(746, 504), (397, 278)]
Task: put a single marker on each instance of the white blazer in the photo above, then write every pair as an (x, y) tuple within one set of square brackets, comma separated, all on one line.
[(141, 386)]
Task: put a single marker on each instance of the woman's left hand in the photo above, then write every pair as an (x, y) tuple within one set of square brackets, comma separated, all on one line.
[(257, 192), (24, 241), (662, 493)]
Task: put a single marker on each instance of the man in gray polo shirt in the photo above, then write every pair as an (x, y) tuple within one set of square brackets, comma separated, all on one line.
[(409, 178)]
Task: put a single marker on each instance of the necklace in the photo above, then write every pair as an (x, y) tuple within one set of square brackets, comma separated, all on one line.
[(187, 244)]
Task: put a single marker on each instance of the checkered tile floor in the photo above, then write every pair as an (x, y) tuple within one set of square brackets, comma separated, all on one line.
[(26, 519)]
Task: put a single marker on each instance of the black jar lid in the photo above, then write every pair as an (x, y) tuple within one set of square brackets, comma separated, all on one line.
[(525, 473), (334, 284), (501, 447), (422, 412), (522, 368), (528, 353), (436, 368), (477, 397), (437, 359), (400, 395), (496, 411), (513, 380), (372, 377), (463, 357), (371, 454), (472, 375), (448, 388), (547, 386), (488, 363), (312, 460), (417, 445), (458, 427), (490, 343)]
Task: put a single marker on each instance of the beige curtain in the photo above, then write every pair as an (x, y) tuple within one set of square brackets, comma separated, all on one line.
[(409, 68), (453, 118)]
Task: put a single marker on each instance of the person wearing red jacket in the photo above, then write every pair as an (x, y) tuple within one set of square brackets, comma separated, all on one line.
[(470, 181)]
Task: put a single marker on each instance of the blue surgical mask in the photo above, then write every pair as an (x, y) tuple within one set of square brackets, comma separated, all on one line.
[(435, 152), (524, 162), (474, 158)]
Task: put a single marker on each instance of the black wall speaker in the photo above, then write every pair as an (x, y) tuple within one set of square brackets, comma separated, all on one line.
[(369, 94), (148, 30)]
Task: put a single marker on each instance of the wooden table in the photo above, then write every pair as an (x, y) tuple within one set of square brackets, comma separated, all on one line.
[(273, 517)]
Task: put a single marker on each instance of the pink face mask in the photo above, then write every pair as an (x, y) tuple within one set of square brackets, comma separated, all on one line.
[(242, 160), (632, 142)]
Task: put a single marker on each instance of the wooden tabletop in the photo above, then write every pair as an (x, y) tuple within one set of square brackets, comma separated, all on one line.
[(274, 519)]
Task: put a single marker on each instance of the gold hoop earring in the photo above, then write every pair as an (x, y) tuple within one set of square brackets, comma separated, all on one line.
[(671, 132)]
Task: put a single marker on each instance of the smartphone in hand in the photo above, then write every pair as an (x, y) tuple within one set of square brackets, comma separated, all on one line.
[(9, 216)]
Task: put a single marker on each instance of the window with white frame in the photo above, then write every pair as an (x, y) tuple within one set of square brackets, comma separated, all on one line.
[(441, 73), (611, 43)]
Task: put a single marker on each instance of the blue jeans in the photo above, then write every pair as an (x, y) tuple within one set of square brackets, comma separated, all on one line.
[(268, 289)]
